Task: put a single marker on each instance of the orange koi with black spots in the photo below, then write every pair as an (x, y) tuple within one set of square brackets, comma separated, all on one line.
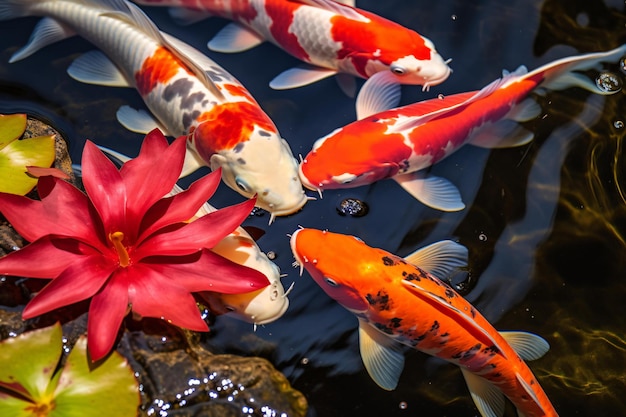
[(399, 303)]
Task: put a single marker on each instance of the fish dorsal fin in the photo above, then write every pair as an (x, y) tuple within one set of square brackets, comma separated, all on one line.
[(139, 121), (46, 32), (487, 397), (197, 62), (132, 14), (95, 67), (440, 258), (381, 355), (435, 192), (336, 7), (300, 76), (380, 92), (445, 308), (527, 345), (184, 16), (235, 38), (413, 122)]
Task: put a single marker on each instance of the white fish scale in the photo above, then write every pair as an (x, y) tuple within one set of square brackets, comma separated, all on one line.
[(262, 22), (312, 27), (121, 42)]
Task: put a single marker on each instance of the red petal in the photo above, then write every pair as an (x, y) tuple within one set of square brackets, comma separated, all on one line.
[(153, 173), (106, 312), (105, 188), (42, 172), (212, 272), (44, 258), (182, 206), (153, 295), (64, 211), (204, 232), (78, 282)]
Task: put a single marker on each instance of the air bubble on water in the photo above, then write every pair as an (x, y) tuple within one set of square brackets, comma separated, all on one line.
[(618, 124), (304, 361), (352, 207), (482, 237), (441, 96), (403, 405), (454, 17), (271, 255), (622, 65), (609, 82)]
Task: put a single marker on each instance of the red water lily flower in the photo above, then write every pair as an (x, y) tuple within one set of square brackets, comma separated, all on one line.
[(125, 245)]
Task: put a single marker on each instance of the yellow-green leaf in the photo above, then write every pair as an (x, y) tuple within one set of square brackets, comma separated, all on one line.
[(12, 126), (17, 155)]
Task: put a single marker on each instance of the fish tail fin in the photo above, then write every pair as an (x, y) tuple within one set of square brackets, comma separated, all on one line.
[(562, 73)]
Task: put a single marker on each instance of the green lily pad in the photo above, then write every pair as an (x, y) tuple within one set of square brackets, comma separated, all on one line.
[(16, 155), (30, 387)]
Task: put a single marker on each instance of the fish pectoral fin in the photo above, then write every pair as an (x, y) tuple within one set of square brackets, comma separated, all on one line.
[(193, 161), (435, 192), (504, 133), (440, 259), (46, 32), (347, 84), (235, 38), (184, 17), (487, 397), (528, 346), (380, 92), (138, 120), (300, 76), (95, 67), (381, 356)]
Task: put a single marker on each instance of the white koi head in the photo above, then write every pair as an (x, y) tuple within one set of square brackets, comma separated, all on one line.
[(429, 72), (258, 307), (262, 164)]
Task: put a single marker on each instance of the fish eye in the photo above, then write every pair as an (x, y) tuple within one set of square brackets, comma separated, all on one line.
[(242, 185), (397, 69), (331, 282)]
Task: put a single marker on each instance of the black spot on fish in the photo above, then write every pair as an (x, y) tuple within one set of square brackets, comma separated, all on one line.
[(264, 133), (380, 300), (217, 74), (450, 293), (468, 354), (189, 118), (188, 102), (404, 166), (473, 312), (491, 350), (418, 339), (435, 327), (238, 147), (497, 375), (180, 87), (446, 334), (375, 119), (383, 328), (388, 261), (532, 382), (395, 322), (241, 161), (412, 277)]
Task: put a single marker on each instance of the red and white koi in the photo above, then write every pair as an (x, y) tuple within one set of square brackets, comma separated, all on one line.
[(188, 93), (330, 37), (398, 303), (400, 143)]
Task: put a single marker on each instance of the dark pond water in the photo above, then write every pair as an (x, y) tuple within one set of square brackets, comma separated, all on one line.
[(545, 224)]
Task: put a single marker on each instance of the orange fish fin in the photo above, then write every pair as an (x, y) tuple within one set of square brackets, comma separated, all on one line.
[(487, 397), (435, 192), (527, 345), (447, 309), (440, 258), (382, 356)]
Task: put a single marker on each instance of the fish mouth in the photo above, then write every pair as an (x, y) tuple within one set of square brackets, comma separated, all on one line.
[(276, 315), (436, 80)]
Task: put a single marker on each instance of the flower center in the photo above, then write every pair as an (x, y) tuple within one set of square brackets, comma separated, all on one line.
[(116, 238)]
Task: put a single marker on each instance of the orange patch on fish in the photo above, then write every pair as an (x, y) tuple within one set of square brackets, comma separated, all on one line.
[(228, 124), (158, 68)]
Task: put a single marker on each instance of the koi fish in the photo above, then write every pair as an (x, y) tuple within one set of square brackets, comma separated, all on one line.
[(400, 304), (257, 307), (330, 37), (400, 143), (188, 93)]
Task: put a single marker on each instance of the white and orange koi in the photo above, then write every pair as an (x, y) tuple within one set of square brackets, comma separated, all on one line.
[(188, 93), (330, 37), (400, 143), (400, 304), (257, 307)]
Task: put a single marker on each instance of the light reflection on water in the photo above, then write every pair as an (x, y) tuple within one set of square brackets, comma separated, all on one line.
[(545, 223)]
